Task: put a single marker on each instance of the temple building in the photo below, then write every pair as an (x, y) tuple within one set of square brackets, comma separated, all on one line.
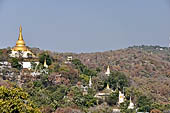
[(20, 49), (107, 91), (69, 60)]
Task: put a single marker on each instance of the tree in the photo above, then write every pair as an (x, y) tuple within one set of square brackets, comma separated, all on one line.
[(63, 68), (54, 67), (33, 65), (44, 56), (98, 69), (83, 101), (1, 52), (77, 96), (83, 69), (117, 80), (84, 78), (15, 63), (89, 101), (157, 106), (113, 98), (144, 103), (99, 83), (44, 94), (124, 107), (15, 100)]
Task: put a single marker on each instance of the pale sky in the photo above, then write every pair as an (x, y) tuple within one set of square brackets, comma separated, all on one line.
[(85, 25)]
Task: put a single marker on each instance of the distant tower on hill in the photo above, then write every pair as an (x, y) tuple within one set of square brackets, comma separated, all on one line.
[(108, 74), (107, 87), (108, 71), (45, 63), (131, 104), (90, 82)]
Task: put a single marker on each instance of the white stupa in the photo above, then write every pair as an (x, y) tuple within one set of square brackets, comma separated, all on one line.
[(108, 74), (90, 83), (108, 71), (45, 63), (121, 97), (131, 105)]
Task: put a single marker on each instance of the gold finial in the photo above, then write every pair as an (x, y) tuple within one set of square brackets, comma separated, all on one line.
[(20, 33), (20, 28)]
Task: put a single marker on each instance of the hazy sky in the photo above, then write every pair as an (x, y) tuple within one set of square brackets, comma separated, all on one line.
[(85, 25)]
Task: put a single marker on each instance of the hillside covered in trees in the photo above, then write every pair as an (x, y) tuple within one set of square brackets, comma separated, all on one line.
[(147, 67), (141, 72)]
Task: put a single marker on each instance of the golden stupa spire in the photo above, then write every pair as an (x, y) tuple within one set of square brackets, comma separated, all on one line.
[(20, 44), (20, 33)]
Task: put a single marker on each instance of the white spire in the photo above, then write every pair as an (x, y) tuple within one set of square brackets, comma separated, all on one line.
[(108, 86), (131, 105), (90, 82), (45, 63), (108, 71)]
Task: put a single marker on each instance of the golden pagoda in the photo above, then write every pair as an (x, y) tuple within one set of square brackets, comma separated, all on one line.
[(20, 49), (20, 44)]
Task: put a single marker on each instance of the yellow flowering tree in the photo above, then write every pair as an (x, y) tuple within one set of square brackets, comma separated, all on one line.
[(15, 100)]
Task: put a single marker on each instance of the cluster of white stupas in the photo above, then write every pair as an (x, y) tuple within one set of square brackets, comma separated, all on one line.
[(107, 92)]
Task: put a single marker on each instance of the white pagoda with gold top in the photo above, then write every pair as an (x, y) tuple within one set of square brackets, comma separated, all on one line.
[(20, 49)]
